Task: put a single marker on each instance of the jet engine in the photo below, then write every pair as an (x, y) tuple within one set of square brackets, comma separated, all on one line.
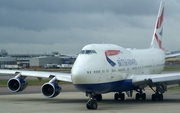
[(16, 84), (50, 89)]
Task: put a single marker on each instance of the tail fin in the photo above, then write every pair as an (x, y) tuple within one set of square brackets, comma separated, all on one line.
[(158, 31)]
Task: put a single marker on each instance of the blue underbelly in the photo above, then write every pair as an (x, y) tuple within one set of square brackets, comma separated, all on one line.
[(117, 86)]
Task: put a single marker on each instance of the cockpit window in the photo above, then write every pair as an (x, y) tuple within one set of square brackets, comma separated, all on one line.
[(88, 52), (82, 52)]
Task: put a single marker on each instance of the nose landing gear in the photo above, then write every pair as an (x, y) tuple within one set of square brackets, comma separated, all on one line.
[(92, 104)]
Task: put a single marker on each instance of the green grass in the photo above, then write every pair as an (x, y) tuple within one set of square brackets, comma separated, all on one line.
[(3, 83), (172, 68), (175, 88)]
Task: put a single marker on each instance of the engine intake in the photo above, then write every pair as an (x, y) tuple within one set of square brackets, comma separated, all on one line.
[(50, 89), (16, 84)]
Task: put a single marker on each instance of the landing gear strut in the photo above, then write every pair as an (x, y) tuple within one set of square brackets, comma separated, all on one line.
[(140, 95), (158, 95), (119, 95), (92, 104)]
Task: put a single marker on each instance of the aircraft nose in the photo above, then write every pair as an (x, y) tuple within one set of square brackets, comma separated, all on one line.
[(78, 75)]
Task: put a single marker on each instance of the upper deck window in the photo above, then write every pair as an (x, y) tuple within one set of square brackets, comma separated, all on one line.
[(88, 52)]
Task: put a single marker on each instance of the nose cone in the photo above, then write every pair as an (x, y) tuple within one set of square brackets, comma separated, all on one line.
[(78, 75)]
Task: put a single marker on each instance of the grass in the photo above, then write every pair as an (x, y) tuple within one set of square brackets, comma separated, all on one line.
[(3, 83), (175, 88), (172, 68)]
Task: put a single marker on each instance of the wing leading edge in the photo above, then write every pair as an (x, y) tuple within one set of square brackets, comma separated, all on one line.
[(59, 76), (167, 79)]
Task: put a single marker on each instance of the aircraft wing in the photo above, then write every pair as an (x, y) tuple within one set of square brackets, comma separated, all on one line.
[(40, 74), (168, 79), (172, 55)]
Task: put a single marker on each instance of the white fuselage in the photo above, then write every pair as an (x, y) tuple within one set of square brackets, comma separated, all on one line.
[(110, 68)]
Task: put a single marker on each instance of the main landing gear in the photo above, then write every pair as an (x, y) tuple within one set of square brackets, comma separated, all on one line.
[(140, 95), (119, 95), (158, 95), (92, 104)]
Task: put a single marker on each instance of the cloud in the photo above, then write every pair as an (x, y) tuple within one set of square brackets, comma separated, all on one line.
[(66, 26)]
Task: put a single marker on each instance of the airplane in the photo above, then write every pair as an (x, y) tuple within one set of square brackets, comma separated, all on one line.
[(104, 68)]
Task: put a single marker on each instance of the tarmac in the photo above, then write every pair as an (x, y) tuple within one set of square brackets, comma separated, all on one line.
[(72, 101)]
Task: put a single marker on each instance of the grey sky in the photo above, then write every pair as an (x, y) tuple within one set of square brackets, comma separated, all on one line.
[(39, 26)]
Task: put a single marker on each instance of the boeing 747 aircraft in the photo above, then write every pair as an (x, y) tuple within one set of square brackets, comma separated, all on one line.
[(104, 68)]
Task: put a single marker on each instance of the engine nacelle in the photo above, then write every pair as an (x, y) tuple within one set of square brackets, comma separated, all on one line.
[(16, 84), (50, 89)]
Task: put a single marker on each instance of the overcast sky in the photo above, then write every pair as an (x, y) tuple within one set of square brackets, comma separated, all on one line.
[(39, 26)]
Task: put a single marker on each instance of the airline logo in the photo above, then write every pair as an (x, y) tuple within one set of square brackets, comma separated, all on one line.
[(109, 53), (160, 20), (159, 24)]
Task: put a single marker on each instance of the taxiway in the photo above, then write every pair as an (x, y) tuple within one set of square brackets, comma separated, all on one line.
[(72, 101)]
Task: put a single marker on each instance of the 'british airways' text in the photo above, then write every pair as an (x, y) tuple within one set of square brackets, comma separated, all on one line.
[(126, 62)]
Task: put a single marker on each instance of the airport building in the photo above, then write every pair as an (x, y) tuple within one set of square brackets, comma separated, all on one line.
[(7, 61), (173, 61), (34, 60), (24, 59), (40, 62)]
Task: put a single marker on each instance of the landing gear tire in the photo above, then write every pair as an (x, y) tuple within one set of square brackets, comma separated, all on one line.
[(98, 97), (88, 106), (137, 96), (92, 104), (116, 96), (141, 96), (122, 96), (154, 97), (119, 95), (160, 97), (157, 97)]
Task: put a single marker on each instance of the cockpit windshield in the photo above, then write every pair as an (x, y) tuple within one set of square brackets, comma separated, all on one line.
[(88, 52)]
